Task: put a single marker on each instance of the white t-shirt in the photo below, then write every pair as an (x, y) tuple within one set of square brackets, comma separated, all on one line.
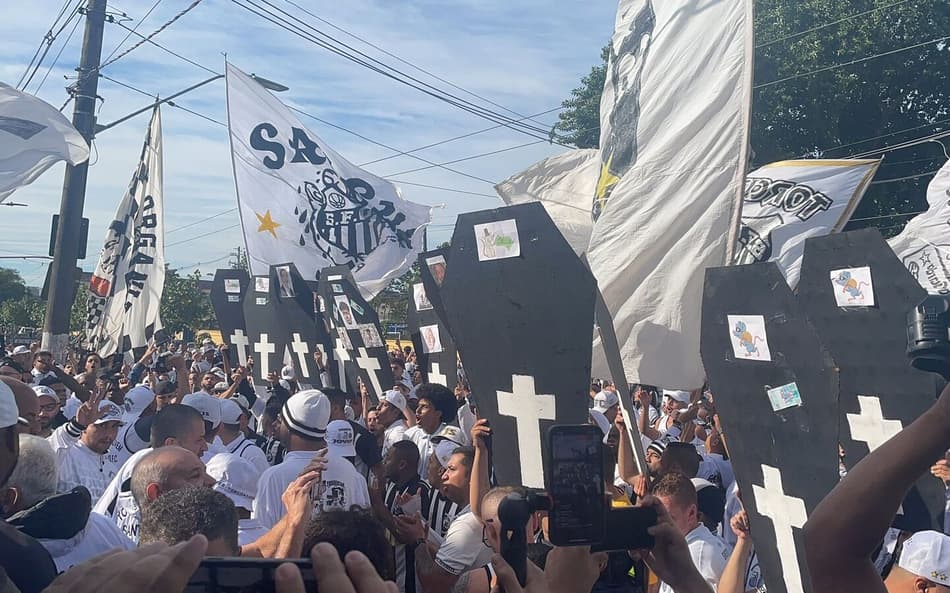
[(733, 506), (709, 553), (394, 433), (463, 549), (246, 449), (423, 441), (100, 535), (341, 486), (717, 470), (118, 504), (127, 444)]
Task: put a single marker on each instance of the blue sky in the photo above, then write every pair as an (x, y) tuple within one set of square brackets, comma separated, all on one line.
[(523, 54)]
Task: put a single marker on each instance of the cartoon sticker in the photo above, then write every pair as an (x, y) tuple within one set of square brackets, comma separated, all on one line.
[(497, 240), (784, 397), (337, 288), (431, 342), (232, 285), (262, 284), (420, 298), (747, 333), (853, 287)]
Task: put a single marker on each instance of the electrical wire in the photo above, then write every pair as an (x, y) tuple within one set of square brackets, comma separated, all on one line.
[(56, 59), (386, 70), (907, 178), (902, 145), (133, 29), (49, 38), (153, 96), (168, 51), (411, 64), (831, 24), (851, 63), (468, 158), (197, 222), (233, 226)]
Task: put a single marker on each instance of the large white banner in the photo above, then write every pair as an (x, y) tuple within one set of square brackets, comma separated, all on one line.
[(789, 201), (33, 137), (674, 136), (302, 202), (924, 244), (125, 292), (563, 184)]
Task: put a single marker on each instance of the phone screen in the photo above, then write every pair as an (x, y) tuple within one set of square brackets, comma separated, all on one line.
[(244, 575), (576, 485)]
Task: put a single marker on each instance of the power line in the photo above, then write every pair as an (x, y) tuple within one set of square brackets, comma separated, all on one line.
[(49, 38), (386, 70), (468, 158), (133, 29), (58, 54), (852, 62), (831, 24), (153, 96), (885, 216), (197, 222), (902, 145), (166, 50), (885, 135), (410, 64), (233, 226), (448, 189), (909, 177)]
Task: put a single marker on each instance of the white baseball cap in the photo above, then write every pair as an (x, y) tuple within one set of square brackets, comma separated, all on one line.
[(136, 400), (927, 555), (9, 413), (700, 483), (235, 478), (21, 349), (605, 400), (680, 396), (44, 391), (341, 439), (395, 399), (231, 412), (288, 373), (600, 420), (209, 406), (307, 412), (111, 413)]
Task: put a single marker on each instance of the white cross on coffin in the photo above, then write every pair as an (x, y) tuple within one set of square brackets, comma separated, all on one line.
[(341, 357), (435, 375), (871, 428), (786, 512), (371, 365), (301, 350), (528, 409), (240, 341), (265, 348)]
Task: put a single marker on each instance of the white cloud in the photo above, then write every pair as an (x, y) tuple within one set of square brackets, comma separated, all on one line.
[(523, 54)]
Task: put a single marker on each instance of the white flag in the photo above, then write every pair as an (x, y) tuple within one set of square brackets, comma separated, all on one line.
[(674, 135), (564, 185), (125, 292), (302, 202), (924, 244), (33, 137), (790, 201)]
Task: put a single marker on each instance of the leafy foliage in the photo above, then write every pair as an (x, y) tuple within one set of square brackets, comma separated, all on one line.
[(579, 123), (184, 306), (12, 286), (871, 103)]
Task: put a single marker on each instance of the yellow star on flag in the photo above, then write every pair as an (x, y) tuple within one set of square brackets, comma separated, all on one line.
[(267, 224), (606, 182)]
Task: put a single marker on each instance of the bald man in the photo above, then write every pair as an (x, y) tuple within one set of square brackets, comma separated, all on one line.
[(28, 406), (166, 469)]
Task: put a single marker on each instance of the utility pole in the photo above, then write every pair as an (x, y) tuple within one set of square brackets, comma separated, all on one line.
[(66, 246)]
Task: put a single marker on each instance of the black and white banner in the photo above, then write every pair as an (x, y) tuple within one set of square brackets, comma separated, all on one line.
[(125, 292), (300, 201), (923, 245), (790, 201)]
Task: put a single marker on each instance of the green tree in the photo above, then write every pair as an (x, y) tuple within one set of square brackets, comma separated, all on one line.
[(77, 315), (863, 107), (26, 311), (12, 285), (184, 306), (579, 123)]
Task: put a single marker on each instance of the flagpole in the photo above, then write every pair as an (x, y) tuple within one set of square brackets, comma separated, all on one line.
[(68, 232)]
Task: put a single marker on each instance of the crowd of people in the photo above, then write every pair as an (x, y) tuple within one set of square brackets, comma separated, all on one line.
[(126, 476)]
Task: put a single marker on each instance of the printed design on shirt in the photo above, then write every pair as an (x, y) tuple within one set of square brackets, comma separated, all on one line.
[(334, 495)]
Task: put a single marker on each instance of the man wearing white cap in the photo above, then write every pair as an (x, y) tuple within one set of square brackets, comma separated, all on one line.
[(237, 479), (666, 426), (234, 440), (210, 408), (392, 415), (608, 404), (87, 461), (49, 407), (302, 428), (923, 566), (139, 404)]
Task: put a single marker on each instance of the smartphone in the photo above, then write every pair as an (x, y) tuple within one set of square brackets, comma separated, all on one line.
[(575, 478), (245, 575)]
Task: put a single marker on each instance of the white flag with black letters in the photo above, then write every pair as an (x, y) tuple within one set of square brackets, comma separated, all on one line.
[(924, 244), (790, 201), (300, 201), (125, 292), (33, 137)]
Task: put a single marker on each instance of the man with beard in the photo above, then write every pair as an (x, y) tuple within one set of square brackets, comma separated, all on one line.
[(49, 408), (85, 459)]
